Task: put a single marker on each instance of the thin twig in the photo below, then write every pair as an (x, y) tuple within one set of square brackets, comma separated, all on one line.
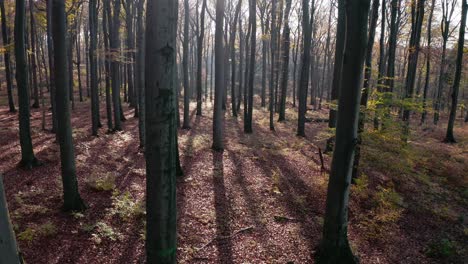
[(226, 237)]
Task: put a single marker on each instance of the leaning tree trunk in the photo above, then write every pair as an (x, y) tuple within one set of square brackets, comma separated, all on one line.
[(161, 148), (72, 199), (6, 54), (28, 159), (450, 138), (305, 65), (335, 247), (366, 89), (219, 78), (9, 252)]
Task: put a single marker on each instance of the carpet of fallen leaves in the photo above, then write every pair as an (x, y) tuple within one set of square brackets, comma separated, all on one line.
[(260, 201)]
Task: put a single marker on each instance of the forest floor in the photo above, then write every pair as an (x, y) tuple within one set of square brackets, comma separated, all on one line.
[(260, 201)]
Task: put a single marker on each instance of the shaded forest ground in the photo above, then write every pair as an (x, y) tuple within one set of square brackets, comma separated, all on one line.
[(261, 201)]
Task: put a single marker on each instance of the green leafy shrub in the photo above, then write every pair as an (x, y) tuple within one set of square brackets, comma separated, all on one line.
[(443, 248), (101, 182), (126, 207), (45, 230)]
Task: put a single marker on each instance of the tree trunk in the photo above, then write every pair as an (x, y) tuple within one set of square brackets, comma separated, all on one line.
[(414, 45), (50, 51), (199, 58), (338, 66), (9, 251), (335, 247), (161, 148), (6, 54), (33, 57), (28, 159), (185, 62), (140, 70), (93, 25), (285, 64), (115, 64), (72, 199), (105, 25), (253, 48), (233, 58), (366, 89), (273, 64), (305, 66), (450, 138), (428, 63), (218, 144)]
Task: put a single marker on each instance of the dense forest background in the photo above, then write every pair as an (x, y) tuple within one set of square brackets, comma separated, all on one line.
[(238, 131)]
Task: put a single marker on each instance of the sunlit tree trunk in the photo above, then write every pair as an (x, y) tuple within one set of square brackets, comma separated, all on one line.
[(185, 63), (219, 78), (285, 63), (428, 63), (450, 138), (335, 247), (71, 196)]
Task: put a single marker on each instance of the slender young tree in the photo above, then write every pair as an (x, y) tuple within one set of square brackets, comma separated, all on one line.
[(200, 58), (285, 63), (428, 63), (140, 70), (253, 48), (28, 159), (335, 247), (232, 40), (185, 66), (93, 20), (448, 7), (107, 64), (33, 55), (6, 56), (449, 137), (161, 148), (71, 196), (218, 144), (272, 61)]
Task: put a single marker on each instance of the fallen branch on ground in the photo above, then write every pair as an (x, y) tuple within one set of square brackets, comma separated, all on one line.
[(226, 237)]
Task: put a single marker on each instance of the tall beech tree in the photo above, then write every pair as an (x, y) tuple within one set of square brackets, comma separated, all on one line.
[(251, 80), (272, 61), (334, 246), (232, 40), (71, 196), (305, 62), (285, 62), (6, 57), (200, 38), (448, 7), (449, 137), (417, 17), (161, 148), (218, 113), (428, 63), (185, 66), (338, 65), (114, 45), (93, 26), (140, 70), (28, 159)]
